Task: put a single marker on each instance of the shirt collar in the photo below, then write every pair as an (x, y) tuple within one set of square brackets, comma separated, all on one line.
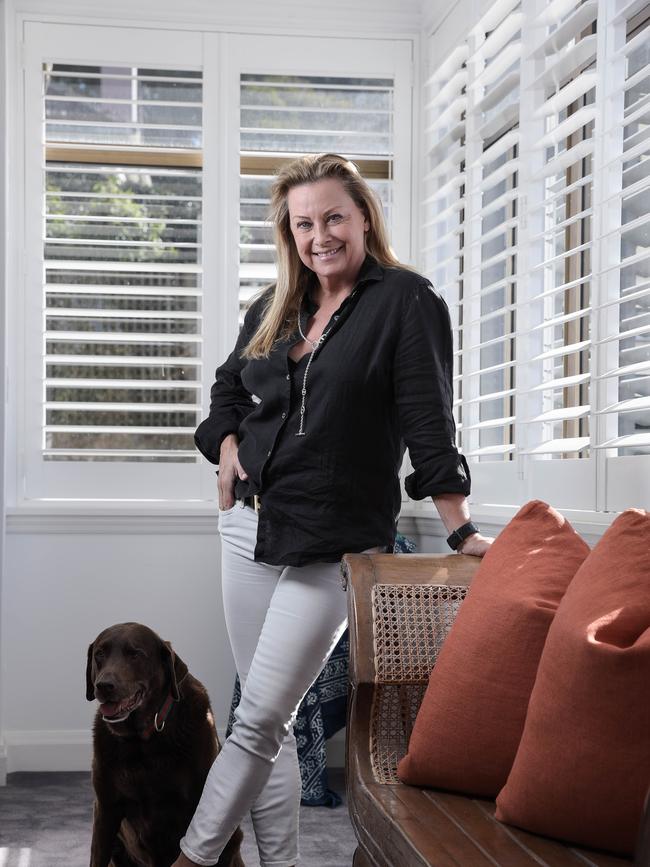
[(369, 272)]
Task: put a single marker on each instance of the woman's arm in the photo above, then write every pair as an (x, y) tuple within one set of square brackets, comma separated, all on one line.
[(422, 384), (230, 402), (424, 396), (454, 512)]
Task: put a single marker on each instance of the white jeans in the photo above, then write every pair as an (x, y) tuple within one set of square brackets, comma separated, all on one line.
[(283, 623)]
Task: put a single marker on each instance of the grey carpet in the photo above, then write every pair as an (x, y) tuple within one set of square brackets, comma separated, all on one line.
[(46, 819)]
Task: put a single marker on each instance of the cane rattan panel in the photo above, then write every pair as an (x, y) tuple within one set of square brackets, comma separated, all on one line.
[(410, 623), (394, 709)]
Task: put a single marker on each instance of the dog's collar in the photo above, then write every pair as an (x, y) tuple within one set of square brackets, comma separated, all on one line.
[(160, 717)]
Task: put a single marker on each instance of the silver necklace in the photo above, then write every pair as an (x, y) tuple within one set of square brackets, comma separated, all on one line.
[(315, 346), (313, 343)]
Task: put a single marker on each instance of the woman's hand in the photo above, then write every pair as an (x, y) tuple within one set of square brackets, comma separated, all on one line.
[(229, 471), (476, 545), (454, 511)]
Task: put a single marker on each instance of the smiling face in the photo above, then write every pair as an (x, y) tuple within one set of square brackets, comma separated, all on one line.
[(328, 229)]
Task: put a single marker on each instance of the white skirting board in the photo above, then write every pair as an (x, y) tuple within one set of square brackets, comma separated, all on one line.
[(69, 750)]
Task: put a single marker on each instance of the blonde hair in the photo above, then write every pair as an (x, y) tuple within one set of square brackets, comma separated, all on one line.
[(280, 317)]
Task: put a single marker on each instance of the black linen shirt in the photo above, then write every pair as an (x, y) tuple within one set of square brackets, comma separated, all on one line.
[(381, 379)]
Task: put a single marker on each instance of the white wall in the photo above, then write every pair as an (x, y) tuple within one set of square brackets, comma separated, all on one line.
[(3, 211), (69, 572), (61, 589)]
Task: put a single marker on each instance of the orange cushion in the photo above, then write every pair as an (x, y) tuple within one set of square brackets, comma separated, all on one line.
[(468, 728), (583, 765)]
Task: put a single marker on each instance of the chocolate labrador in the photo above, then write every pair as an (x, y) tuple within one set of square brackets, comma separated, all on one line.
[(154, 742)]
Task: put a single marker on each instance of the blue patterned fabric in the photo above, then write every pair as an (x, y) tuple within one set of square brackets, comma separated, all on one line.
[(321, 714)]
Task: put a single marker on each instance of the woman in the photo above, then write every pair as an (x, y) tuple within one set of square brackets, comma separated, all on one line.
[(349, 356)]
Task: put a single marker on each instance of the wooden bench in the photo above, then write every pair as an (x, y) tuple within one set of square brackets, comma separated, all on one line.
[(401, 607)]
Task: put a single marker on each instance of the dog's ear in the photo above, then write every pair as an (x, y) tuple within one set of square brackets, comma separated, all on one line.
[(90, 686), (176, 668)]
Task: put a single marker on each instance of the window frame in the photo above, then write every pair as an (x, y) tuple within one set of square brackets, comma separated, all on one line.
[(38, 479), (100, 486)]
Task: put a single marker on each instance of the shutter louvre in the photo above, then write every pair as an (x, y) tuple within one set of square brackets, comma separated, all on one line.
[(282, 117), (122, 291)]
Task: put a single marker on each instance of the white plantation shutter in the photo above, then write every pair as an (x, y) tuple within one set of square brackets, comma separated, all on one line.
[(623, 347), (109, 343), (488, 330), (560, 209), (443, 198), (626, 301), (540, 243), (287, 116), (122, 263), (128, 150)]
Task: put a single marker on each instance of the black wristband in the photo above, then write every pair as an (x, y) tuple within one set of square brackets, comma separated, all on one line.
[(456, 539)]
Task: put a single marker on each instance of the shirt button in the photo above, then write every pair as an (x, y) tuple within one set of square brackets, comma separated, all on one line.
[(288, 376), (335, 318), (284, 415), (268, 454)]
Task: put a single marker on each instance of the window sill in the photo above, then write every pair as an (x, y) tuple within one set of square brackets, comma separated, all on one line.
[(145, 518), (421, 518), (119, 518)]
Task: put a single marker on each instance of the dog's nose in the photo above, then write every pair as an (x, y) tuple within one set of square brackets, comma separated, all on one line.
[(105, 686)]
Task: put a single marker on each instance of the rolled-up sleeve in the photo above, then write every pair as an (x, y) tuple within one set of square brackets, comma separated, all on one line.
[(230, 402), (423, 367)]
